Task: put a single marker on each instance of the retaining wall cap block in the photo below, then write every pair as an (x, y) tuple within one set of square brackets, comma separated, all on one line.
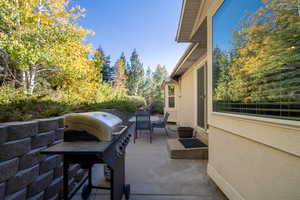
[(39, 196), (56, 142), (49, 163), (31, 158), (20, 130), (54, 188), (48, 124), (40, 184), (2, 190), (14, 148), (8, 169), (3, 134), (20, 195), (43, 139), (22, 179), (60, 121)]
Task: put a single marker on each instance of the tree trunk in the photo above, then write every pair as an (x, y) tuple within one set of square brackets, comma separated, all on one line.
[(29, 79)]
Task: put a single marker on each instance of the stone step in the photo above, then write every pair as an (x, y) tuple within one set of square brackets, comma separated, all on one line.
[(177, 151)]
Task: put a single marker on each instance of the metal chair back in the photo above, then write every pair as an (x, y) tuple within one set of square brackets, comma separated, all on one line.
[(166, 117), (143, 121)]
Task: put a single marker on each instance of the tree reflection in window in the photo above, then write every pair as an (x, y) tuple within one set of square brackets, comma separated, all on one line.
[(256, 58)]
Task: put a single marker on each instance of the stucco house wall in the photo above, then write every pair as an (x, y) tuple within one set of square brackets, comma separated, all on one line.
[(249, 157), (186, 112)]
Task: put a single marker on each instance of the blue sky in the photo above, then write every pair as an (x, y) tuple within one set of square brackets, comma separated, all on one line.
[(149, 26), (227, 19)]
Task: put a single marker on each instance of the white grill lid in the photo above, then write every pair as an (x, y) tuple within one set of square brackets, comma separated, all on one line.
[(100, 124), (109, 119)]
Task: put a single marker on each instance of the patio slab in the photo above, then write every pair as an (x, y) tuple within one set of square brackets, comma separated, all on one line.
[(154, 176)]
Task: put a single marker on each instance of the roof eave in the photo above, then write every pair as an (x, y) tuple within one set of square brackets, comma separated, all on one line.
[(189, 12)]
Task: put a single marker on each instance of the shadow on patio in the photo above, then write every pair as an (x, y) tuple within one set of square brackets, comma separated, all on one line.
[(154, 176)]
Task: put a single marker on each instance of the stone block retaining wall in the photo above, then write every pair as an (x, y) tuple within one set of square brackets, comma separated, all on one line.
[(24, 172)]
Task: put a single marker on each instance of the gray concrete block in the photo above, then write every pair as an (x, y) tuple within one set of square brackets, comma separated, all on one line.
[(40, 184), (14, 148), (58, 171), (39, 196), (2, 190), (79, 175), (59, 134), (56, 197), (3, 134), (73, 170), (8, 169), (60, 121), (20, 195), (43, 139), (59, 159), (48, 164), (54, 188), (20, 130), (72, 184), (31, 158), (46, 125), (22, 179)]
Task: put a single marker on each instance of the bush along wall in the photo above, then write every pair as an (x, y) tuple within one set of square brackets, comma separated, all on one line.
[(24, 172)]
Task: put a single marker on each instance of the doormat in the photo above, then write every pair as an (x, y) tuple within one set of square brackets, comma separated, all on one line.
[(191, 143)]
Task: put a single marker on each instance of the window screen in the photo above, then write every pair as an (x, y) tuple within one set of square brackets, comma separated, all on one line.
[(256, 58)]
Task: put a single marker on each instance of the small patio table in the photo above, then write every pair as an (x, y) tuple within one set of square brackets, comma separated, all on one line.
[(152, 119)]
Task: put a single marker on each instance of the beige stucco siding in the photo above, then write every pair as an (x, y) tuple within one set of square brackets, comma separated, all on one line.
[(251, 170), (186, 114)]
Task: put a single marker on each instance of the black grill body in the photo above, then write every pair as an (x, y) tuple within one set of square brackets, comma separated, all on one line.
[(85, 149)]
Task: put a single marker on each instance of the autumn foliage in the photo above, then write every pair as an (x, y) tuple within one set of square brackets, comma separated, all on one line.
[(45, 65), (264, 65)]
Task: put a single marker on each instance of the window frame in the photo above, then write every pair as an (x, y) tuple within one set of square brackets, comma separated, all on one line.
[(171, 96)]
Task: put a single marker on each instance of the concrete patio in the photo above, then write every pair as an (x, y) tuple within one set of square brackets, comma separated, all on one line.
[(154, 176)]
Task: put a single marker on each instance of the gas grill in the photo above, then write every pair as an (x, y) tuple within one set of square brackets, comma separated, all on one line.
[(91, 138)]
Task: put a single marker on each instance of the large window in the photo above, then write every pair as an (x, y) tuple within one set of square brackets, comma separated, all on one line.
[(256, 58), (171, 96)]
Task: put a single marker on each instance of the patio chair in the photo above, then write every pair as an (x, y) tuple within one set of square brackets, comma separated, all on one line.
[(162, 123), (143, 123)]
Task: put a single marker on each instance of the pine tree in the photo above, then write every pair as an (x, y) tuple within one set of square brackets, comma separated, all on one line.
[(120, 78), (135, 73), (99, 60), (148, 86), (159, 76), (108, 71)]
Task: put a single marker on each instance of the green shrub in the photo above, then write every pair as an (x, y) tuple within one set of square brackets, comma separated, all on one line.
[(157, 107), (15, 105), (139, 101)]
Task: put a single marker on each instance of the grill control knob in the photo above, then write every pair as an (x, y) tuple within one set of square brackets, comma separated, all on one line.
[(120, 150)]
